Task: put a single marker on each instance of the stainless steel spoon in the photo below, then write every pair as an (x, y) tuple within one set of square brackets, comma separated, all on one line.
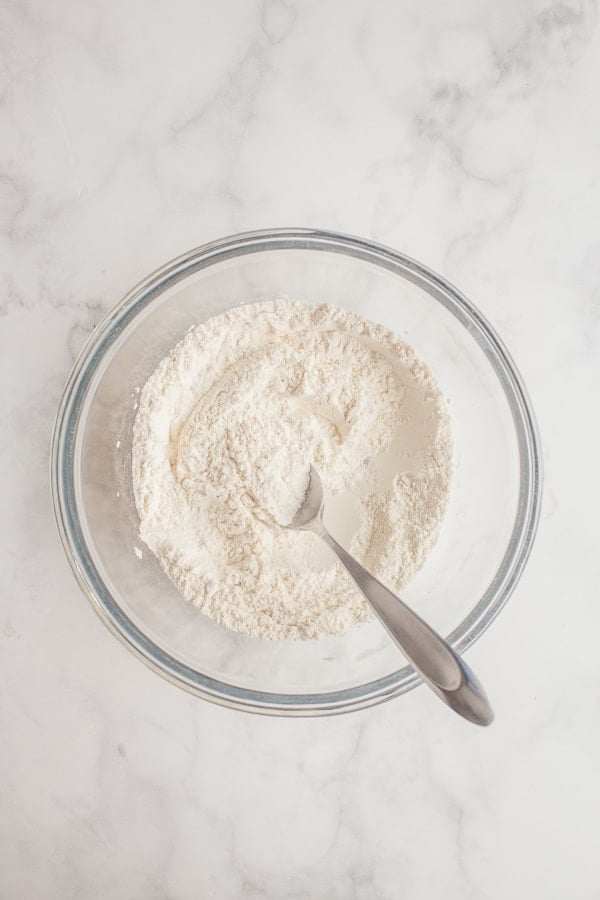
[(439, 666)]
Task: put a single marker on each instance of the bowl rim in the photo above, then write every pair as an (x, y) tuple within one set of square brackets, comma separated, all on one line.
[(63, 460)]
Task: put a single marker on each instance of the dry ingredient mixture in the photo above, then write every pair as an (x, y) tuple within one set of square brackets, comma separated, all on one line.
[(227, 427)]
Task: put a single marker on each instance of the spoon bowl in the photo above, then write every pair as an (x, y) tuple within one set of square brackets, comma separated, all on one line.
[(311, 508)]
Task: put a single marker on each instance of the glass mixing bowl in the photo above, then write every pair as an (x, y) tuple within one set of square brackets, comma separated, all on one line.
[(486, 536)]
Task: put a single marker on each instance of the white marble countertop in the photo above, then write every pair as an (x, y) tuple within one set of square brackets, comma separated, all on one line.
[(466, 134)]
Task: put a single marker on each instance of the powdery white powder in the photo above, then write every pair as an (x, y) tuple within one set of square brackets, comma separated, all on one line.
[(227, 427)]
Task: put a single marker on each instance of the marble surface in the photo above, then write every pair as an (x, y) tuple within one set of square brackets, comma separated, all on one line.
[(466, 134)]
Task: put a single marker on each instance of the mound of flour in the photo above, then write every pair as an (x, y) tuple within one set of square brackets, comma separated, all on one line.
[(227, 427)]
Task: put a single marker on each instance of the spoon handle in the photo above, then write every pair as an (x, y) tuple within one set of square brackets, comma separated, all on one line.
[(439, 666)]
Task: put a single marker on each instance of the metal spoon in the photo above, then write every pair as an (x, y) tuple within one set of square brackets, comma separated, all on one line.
[(439, 666)]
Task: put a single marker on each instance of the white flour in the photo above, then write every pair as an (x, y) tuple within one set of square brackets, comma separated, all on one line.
[(227, 427)]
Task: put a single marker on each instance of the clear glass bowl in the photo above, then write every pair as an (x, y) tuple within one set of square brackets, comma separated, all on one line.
[(487, 533)]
